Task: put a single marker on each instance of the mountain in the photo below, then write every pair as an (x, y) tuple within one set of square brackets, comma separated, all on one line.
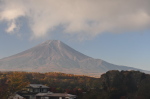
[(55, 56)]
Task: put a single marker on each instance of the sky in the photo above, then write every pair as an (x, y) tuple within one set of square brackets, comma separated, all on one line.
[(116, 31)]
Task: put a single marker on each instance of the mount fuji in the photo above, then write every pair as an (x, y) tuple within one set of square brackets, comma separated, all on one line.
[(55, 56)]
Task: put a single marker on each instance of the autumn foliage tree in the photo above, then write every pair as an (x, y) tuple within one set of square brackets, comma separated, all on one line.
[(12, 83), (3, 87)]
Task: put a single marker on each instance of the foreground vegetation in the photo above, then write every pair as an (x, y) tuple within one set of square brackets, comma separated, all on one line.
[(122, 85), (58, 82), (111, 85)]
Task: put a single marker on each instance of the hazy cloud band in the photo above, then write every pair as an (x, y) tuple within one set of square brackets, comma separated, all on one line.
[(80, 17)]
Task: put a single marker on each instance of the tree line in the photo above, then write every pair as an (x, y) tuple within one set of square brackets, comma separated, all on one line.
[(11, 82), (111, 85)]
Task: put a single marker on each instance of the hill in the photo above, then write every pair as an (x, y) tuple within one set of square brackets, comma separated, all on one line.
[(121, 85)]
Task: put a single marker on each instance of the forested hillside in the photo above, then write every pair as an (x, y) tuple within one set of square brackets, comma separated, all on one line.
[(121, 85), (11, 82), (111, 85)]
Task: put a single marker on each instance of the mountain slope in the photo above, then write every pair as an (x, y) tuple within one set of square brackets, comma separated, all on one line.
[(55, 56)]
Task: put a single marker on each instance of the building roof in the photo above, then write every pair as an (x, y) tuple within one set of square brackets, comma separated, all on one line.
[(55, 95), (37, 86), (16, 96)]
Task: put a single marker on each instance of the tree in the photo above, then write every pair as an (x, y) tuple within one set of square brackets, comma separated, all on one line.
[(3, 87), (16, 81)]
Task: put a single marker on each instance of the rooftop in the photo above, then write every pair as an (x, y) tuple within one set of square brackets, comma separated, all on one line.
[(55, 95), (37, 86)]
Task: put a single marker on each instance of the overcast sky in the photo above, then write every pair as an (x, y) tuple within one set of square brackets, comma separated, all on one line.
[(116, 31)]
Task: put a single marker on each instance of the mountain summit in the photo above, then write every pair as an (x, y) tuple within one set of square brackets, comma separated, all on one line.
[(55, 56)]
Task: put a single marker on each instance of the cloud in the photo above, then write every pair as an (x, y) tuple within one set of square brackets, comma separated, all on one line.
[(10, 12), (11, 27), (84, 18)]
